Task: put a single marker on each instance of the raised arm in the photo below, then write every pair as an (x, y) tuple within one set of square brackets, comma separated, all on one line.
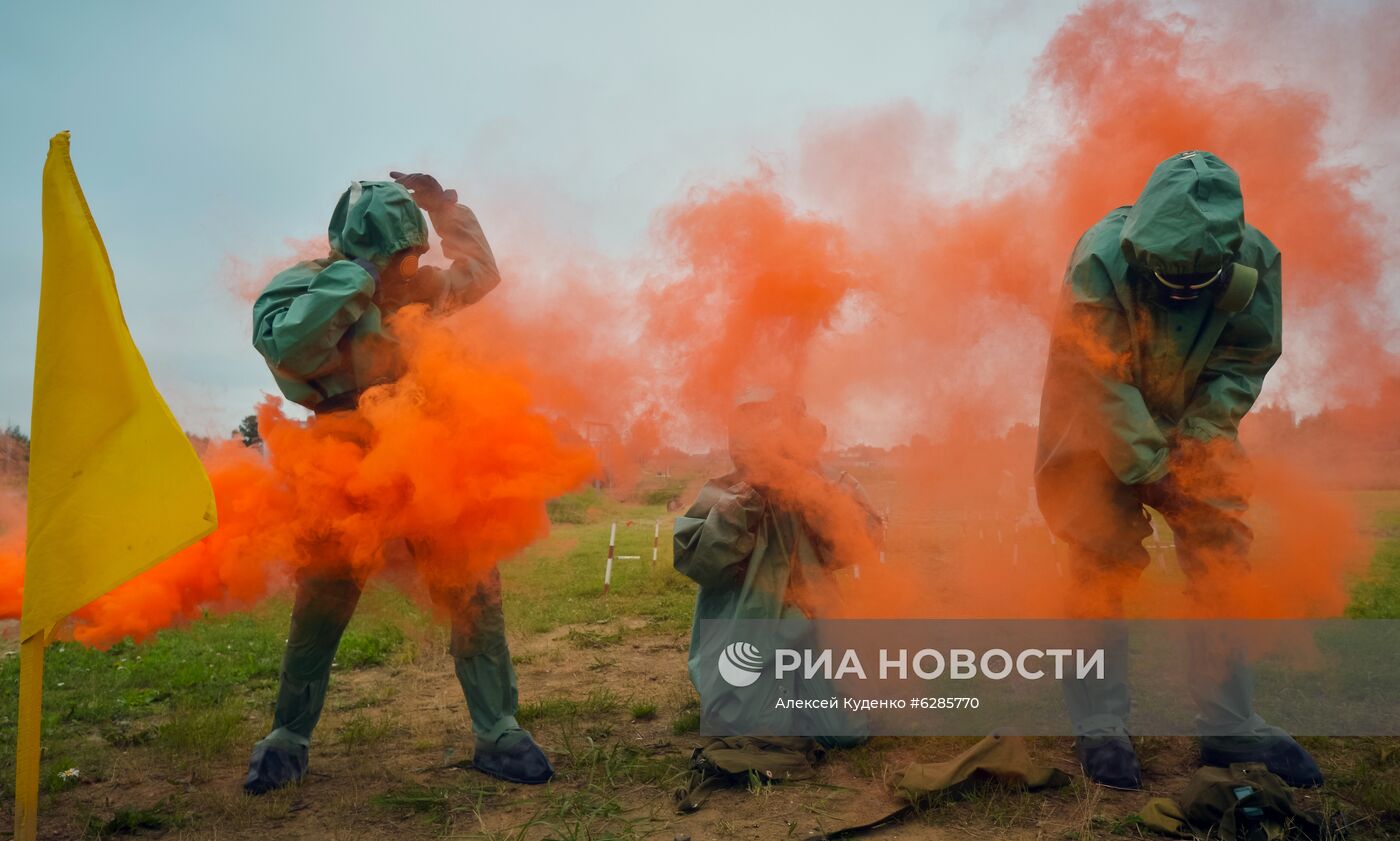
[(716, 535), (473, 271)]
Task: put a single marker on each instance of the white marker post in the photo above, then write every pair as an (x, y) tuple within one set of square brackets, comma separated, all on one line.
[(655, 543), (1160, 547), (884, 532), (607, 570)]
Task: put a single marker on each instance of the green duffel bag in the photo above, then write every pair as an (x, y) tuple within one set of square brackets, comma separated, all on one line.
[(737, 760)]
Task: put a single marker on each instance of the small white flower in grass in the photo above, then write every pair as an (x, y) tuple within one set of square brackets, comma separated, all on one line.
[(70, 774)]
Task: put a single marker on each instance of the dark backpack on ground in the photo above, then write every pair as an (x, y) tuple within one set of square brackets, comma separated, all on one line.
[(1244, 802)]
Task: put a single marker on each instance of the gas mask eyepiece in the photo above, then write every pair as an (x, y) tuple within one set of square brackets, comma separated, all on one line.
[(1187, 287)]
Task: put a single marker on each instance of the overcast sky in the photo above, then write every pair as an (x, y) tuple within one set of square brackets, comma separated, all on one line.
[(204, 132)]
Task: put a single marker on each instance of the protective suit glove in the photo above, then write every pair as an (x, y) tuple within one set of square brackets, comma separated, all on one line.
[(427, 192), (1163, 493), (748, 498), (1197, 469)]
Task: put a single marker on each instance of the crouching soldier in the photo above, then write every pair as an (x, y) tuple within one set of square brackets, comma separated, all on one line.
[(763, 543)]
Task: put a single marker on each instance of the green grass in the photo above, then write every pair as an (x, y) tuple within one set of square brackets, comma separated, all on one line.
[(127, 822), (200, 733), (687, 722), (594, 639), (563, 709), (1361, 772), (590, 807), (661, 490), (559, 581), (199, 691), (373, 646), (1378, 596), (363, 731), (574, 508), (432, 804)]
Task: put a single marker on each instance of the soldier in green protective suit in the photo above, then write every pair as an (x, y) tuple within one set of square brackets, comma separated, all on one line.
[(320, 327), (1170, 319), (759, 543)]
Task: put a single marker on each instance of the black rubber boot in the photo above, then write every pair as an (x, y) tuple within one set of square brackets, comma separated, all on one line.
[(1279, 753), (273, 767), (514, 758), (1109, 761)]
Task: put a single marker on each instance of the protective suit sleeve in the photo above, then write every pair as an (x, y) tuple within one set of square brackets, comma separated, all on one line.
[(717, 534), (1092, 348), (1233, 376), (298, 322), (473, 271)]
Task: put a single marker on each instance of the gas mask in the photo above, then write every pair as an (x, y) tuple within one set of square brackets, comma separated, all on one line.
[(397, 285), (408, 265), (774, 436), (1184, 288)]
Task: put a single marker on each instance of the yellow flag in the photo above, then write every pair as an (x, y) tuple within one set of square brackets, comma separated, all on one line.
[(114, 485)]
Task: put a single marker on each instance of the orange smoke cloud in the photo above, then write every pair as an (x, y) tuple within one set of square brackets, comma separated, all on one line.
[(11, 553), (904, 311), (451, 459), (902, 308), (755, 285)]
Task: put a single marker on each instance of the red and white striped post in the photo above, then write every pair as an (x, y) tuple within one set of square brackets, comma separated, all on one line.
[(607, 570), (655, 542)]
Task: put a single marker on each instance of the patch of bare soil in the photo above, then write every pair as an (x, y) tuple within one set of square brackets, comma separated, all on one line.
[(388, 762)]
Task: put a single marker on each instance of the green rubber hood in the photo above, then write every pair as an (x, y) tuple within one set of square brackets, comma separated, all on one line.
[(376, 219), (1189, 218)]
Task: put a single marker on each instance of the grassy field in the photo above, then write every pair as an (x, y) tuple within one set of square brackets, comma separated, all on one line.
[(151, 740)]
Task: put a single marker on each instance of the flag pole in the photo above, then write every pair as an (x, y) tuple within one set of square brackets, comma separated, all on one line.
[(31, 687), (102, 506)]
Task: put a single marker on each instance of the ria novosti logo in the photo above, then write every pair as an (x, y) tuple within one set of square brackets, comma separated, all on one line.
[(740, 664)]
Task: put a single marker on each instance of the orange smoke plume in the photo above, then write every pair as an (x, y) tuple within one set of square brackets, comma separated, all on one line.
[(906, 309), (755, 285), (11, 553), (451, 459), (902, 313)]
